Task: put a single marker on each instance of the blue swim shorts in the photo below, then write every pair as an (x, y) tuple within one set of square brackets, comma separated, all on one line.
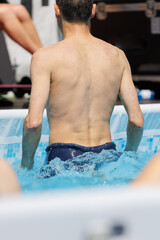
[(66, 151)]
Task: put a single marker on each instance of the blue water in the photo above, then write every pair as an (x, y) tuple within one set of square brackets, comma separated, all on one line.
[(109, 168)]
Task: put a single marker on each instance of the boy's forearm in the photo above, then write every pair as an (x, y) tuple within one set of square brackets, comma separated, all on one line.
[(30, 142), (134, 136)]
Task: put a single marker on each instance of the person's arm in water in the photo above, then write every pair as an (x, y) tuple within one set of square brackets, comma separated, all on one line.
[(151, 173), (129, 99), (39, 95), (8, 180)]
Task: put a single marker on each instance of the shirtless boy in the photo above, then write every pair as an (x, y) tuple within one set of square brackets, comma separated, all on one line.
[(78, 81)]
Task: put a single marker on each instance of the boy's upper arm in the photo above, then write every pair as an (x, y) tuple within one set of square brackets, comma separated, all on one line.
[(40, 75), (128, 93)]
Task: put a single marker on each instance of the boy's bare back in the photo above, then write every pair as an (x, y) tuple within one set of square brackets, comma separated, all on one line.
[(85, 80), (78, 80)]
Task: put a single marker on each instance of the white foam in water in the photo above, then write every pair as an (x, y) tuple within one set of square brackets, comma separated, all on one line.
[(92, 212)]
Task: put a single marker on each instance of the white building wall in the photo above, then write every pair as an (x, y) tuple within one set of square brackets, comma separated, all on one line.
[(46, 25)]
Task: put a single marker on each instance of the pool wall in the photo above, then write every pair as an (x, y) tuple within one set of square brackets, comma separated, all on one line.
[(11, 124)]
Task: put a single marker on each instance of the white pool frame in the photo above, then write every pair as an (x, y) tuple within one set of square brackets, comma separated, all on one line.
[(89, 214), (14, 113)]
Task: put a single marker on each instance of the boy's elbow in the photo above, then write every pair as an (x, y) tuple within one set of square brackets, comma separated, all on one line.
[(139, 121), (33, 124), (142, 121)]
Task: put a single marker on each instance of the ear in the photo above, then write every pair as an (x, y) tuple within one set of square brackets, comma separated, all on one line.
[(57, 10), (93, 10)]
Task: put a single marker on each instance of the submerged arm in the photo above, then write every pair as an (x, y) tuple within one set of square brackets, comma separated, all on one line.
[(31, 137), (129, 99), (134, 136), (39, 95)]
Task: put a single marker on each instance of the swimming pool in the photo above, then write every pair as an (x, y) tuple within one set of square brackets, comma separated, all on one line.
[(88, 170), (86, 213)]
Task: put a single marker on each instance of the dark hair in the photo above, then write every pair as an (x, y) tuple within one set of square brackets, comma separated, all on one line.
[(75, 10)]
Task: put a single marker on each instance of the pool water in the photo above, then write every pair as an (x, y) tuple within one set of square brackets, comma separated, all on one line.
[(109, 168)]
